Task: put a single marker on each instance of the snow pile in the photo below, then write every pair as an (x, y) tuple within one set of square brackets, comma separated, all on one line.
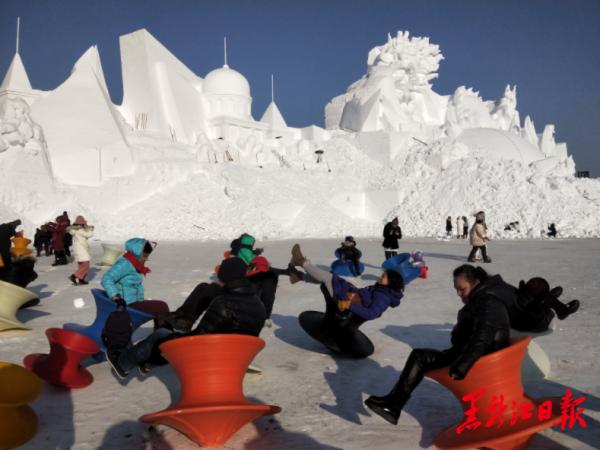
[(393, 147)]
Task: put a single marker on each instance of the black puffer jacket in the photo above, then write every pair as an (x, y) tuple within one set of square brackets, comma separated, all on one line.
[(7, 230), (483, 324), (238, 310), (391, 234), (535, 313)]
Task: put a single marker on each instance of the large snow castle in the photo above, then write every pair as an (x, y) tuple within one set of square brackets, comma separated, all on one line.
[(183, 153)]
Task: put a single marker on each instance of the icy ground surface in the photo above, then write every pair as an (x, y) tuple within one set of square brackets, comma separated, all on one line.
[(321, 396)]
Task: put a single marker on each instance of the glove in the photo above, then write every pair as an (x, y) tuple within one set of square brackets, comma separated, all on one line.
[(258, 251), (343, 305), (455, 374), (353, 297), (119, 301)]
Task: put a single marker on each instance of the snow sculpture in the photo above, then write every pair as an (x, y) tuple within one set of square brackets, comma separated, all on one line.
[(394, 105), (17, 129), (395, 94), (86, 141), (160, 94)]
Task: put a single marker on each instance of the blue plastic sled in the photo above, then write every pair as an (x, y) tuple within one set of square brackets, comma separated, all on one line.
[(400, 263), (346, 268), (104, 306)]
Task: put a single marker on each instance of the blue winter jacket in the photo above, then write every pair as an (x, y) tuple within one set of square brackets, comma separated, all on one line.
[(122, 278), (374, 299)]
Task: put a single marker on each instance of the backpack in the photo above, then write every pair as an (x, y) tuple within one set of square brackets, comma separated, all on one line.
[(117, 329)]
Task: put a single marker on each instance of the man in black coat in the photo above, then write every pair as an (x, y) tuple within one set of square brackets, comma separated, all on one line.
[(482, 327), (7, 230), (391, 234), (235, 310)]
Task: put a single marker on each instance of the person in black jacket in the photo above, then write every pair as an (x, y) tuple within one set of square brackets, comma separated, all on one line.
[(482, 327), (391, 234), (235, 310), (538, 305), (7, 230)]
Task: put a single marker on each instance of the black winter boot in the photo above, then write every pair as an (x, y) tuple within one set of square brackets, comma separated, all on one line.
[(389, 406), (556, 292), (569, 309), (112, 356)]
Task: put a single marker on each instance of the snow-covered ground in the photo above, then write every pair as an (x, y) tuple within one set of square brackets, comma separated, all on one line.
[(321, 396)]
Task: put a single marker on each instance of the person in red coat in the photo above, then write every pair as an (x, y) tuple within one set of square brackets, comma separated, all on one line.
[(59, 230)]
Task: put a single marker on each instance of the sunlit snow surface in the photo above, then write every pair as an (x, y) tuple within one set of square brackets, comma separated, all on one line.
[(321, 396)]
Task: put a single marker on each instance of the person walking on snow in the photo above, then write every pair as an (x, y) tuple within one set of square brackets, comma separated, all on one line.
[(449, 226), (123, 281), (391, 234), (59, 230), (465, 230), (81, 232), (478, 238), (459, 227), (68, 238)]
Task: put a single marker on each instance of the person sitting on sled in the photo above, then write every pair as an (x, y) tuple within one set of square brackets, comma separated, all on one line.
[(348, 253)]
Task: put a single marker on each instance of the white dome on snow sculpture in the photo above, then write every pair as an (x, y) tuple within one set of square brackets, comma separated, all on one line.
[(228, 93), (491, 143), (226, 81)]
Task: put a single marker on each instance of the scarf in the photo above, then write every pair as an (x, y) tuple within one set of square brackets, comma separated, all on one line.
[(137, 264)]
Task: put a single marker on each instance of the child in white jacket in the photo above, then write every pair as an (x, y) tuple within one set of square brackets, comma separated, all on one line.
[(81, 232)]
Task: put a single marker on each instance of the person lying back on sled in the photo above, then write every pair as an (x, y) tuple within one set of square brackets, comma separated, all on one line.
[(368, 303), (236, 310)]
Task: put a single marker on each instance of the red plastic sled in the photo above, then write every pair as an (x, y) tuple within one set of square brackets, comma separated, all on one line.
[(500, 374), (211, 369), (62, 366)]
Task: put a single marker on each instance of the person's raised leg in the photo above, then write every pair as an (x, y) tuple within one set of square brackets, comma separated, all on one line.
[(562, 310), (419, 361)]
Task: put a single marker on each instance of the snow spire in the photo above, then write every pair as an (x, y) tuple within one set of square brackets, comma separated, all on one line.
[(225, 52), (272, 89), (16, 78), (18, 32)]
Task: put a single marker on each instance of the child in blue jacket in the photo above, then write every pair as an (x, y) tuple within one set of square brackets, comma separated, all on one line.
[(123, 281), (368, 303)]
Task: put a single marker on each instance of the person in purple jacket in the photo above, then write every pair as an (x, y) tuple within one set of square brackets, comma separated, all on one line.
[(367, 303)]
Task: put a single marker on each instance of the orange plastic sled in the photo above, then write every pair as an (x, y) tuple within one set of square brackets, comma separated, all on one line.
[(500, 374), (62, 366), (18, 422), (211, 369)]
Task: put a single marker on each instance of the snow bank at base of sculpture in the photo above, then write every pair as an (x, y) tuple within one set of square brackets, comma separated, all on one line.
[(394, 147)]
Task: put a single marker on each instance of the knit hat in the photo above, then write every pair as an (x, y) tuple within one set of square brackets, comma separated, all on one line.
[(80, 220), (232, 269)]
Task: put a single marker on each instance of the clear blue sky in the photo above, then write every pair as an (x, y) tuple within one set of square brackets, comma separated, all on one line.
[(549, 48)]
